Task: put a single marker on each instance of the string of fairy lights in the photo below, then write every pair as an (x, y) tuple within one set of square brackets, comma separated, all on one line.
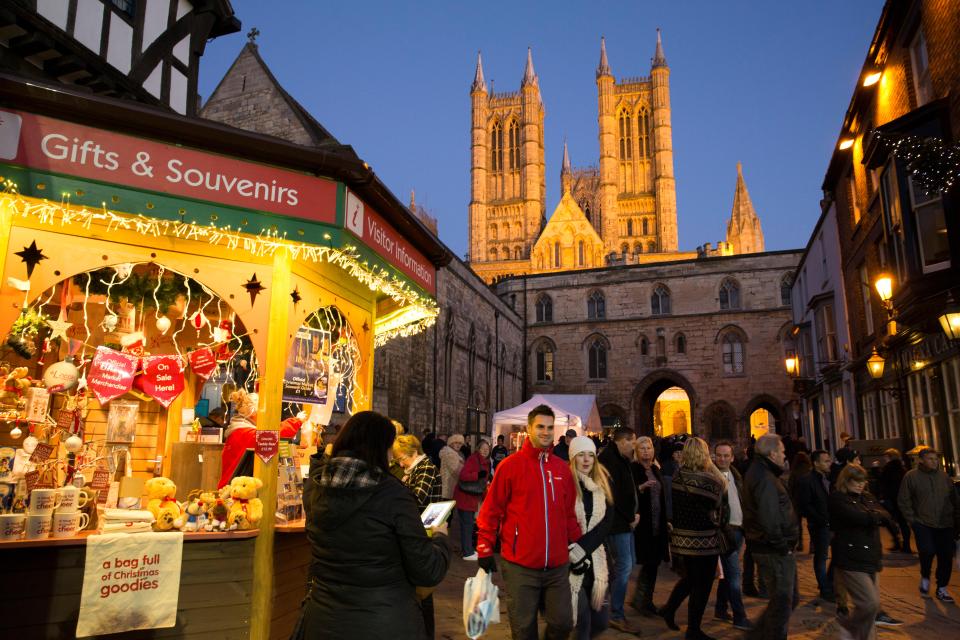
[(933, 164)]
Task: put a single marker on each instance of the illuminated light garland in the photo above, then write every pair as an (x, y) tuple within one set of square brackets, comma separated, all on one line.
[(263, 245), (405, 331), (933, 165)]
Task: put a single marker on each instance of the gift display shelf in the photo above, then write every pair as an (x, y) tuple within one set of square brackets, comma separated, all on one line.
[(80, 539)]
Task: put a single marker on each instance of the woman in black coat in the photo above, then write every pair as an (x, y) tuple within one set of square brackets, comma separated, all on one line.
[(650, 536), (855, 518), (369, 548)]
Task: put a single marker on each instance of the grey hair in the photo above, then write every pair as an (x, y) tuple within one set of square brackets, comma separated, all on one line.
[(646, 439), (766, 444)]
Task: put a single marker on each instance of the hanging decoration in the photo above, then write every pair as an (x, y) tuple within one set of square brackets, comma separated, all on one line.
[(16, 432), (295, 296), (31, 256), (162, 378), (163, 324), (202, 362), (198, 320), (61, 376), (253, 287), (110, 322), (933, 164), (58, 328), (111, 374)]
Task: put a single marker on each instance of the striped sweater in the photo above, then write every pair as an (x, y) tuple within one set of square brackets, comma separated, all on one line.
[(697, 497)]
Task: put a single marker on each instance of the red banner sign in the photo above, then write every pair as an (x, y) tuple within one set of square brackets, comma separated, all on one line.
[(162, 378), (203, 362), (72, 149), (111, 374), (267, 445), (380, 236)]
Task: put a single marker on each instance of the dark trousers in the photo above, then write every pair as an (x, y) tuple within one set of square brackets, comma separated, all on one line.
[(589, 621), (728, 589), (426, 607), (646, 583), (820, 547), (751, 583), (902, 529), (779, 573), (696, 581), (935, 542), (467, 519), (527, 588)]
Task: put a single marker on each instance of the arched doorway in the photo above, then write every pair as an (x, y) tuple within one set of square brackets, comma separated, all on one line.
[(720, 421), (763, 414), (664, 399)]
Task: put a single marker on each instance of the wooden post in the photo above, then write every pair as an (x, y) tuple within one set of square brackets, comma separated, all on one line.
[(6, 223), (268, 418)]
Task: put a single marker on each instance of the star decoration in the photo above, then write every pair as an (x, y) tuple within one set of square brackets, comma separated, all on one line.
[(253, 287), (365, 326), (59, 328), (295, 295), (31, 256)]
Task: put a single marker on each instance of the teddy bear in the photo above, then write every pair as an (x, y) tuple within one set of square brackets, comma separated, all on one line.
[(194, 515), (17, 380), (217, 508), (162, 503), (246, 509)]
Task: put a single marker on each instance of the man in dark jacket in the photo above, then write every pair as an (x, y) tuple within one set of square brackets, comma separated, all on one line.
[(530, 506), (891, 476), (616, 458), (813, 492), (770, 527), (562, 448)]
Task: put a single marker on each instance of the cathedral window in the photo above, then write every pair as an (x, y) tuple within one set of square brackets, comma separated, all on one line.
[(624, 249), (681, 343), (597, 360), (580, 253), (644, 346), (516, 253), (630, 226), (786, 284), (638, 248), (493, 253), (732, 353), (646, 227), (556, 255), (544, 359), (651, 247), (596, 306), (496, 147), (514, 140), (544, 308), (493, 232), (643, 132), (626, 136), (660, 301), (729, 295)]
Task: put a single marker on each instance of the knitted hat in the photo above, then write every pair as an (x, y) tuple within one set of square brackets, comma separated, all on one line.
[(581, 444)]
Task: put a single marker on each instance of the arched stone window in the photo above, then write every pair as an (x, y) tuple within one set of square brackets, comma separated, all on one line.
[(624, 249), (660, 301), (729, 294), (544, 308), (517, 252), (514, 140), (644, 346), (680, 342), (732, 353), (629, 226), (643, 132), (786, 285), (651, 247), (556, 254), (543, 357), (493, 253), (581, 253), (596, 306), (493, 232), (646, 226), (638, 248), (496, 147), (597, 359), (626, 136)]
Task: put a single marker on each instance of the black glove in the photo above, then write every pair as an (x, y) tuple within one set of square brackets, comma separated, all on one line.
[(481, 474), (581, 567), (488, 564)]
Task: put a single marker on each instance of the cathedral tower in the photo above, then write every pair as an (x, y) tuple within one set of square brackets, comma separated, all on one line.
[(743, 230), (666, 187), (507, 200)]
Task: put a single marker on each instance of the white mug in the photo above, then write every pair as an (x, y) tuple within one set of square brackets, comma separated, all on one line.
[(11, 526), (38, 526), (66, 525), (71, 499), (43, 502)]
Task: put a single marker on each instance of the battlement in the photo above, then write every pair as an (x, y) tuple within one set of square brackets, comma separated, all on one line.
[(632, 81), (707, 250), (506, 98)]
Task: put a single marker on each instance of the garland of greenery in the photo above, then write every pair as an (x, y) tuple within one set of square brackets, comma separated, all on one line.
[(138, 288)]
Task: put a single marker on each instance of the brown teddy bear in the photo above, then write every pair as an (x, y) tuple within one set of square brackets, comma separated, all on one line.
[(218, 509), (246, 508), (162, 503)]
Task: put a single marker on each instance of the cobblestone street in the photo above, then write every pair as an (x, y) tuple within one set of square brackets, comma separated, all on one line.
[(899, 596)]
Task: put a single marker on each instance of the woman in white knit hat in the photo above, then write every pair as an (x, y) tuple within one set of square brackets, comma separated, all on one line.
[(588, 558)]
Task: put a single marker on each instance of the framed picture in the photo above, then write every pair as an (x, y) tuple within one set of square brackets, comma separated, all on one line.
[(122, 421)]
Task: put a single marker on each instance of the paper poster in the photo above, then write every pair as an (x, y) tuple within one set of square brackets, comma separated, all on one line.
[(111, 374), (305, 378), (130, 582)]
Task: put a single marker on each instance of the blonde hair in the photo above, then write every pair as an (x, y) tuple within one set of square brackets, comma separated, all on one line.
[(850, 473), (599, 475), (696, 457), (407, 445), (243, 403)]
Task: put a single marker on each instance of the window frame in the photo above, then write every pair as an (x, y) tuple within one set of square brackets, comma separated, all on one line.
[(596, 305), (544, 363), (496, 147), (919, 55), (543, 309), (732, 347), (661, 293), (597, 359), (729, 289)]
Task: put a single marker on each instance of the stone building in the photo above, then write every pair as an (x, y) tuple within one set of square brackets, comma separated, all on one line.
[(691, 345)]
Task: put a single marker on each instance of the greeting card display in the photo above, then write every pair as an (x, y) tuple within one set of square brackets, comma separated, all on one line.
[(111, 374), (122, 421)]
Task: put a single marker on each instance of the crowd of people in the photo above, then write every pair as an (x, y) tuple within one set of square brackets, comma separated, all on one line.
[(571, 517)]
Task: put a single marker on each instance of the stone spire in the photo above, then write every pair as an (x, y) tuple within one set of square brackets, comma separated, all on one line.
[(743, 230), (603, 69), (659, 60), (566, 177), (529, 77), (478, 82)]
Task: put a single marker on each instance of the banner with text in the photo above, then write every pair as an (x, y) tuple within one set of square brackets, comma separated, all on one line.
[(130, 582)]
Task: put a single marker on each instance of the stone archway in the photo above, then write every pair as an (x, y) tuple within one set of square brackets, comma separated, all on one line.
[(770, 404), (647, 391), (720, 421)]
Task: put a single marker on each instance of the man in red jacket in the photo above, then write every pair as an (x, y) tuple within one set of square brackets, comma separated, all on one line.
[(531, 503)]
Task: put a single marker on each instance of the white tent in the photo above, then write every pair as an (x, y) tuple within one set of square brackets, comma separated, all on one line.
[(577, 412)]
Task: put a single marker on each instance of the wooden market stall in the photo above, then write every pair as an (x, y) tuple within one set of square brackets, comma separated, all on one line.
[(205, 259)]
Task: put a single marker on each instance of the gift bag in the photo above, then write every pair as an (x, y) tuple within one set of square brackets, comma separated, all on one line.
[(481, 604)]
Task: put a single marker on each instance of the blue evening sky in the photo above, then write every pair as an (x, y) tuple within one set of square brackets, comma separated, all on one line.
[(761, 82)]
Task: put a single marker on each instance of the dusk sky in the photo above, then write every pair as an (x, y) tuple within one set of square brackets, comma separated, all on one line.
[(764, 83)]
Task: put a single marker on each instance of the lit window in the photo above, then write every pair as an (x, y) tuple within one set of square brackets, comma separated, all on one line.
[(921, 69), (544, 363), (597, 360), (660, 301)]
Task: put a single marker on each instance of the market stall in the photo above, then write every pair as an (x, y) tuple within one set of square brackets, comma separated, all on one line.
[(573, 411), (178, 296)]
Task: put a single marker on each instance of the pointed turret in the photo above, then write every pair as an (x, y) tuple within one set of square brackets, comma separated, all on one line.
[(529, 77), (743, 230), (659, 60), (479, 85), (603, 69), (566, 176)]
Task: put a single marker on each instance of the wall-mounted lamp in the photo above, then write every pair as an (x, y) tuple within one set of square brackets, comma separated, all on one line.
[(872, 78)]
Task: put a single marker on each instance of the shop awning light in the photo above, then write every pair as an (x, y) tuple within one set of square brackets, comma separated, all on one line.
[(950, 319), (846, 143), (872, 78), (875, 365)]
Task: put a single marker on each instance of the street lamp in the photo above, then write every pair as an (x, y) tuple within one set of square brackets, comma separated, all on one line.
[(792, 363), (950, 319), (875, 365), (884, 285)]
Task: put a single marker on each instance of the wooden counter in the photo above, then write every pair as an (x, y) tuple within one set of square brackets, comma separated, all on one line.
[(291, 566)]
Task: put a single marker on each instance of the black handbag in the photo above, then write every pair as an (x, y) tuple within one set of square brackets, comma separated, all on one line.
[(472, 487)]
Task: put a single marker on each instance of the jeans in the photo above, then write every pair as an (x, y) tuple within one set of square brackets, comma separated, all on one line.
[(935, 542), (779, 573), (589, 622), (696, 580), (820, 546), (728, 590), (527, 589), (623, 554), (466, 532)]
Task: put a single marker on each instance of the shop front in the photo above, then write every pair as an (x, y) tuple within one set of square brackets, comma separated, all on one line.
[(169, 284)]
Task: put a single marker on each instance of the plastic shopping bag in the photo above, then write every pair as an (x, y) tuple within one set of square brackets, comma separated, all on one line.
[(481, 604)]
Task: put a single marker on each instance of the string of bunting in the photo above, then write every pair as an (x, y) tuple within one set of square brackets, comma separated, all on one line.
[(933, 165)]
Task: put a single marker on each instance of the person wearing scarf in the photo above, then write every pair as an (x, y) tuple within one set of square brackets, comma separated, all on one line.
[(588, 558)]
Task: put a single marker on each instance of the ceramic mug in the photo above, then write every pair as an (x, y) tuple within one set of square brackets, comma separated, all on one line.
[(38, 526), (11, 526), (71, 498), (43, 502), (66, 525)]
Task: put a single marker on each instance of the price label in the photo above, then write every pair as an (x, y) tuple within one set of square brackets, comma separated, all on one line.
[(267, 444), (32, 479)]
